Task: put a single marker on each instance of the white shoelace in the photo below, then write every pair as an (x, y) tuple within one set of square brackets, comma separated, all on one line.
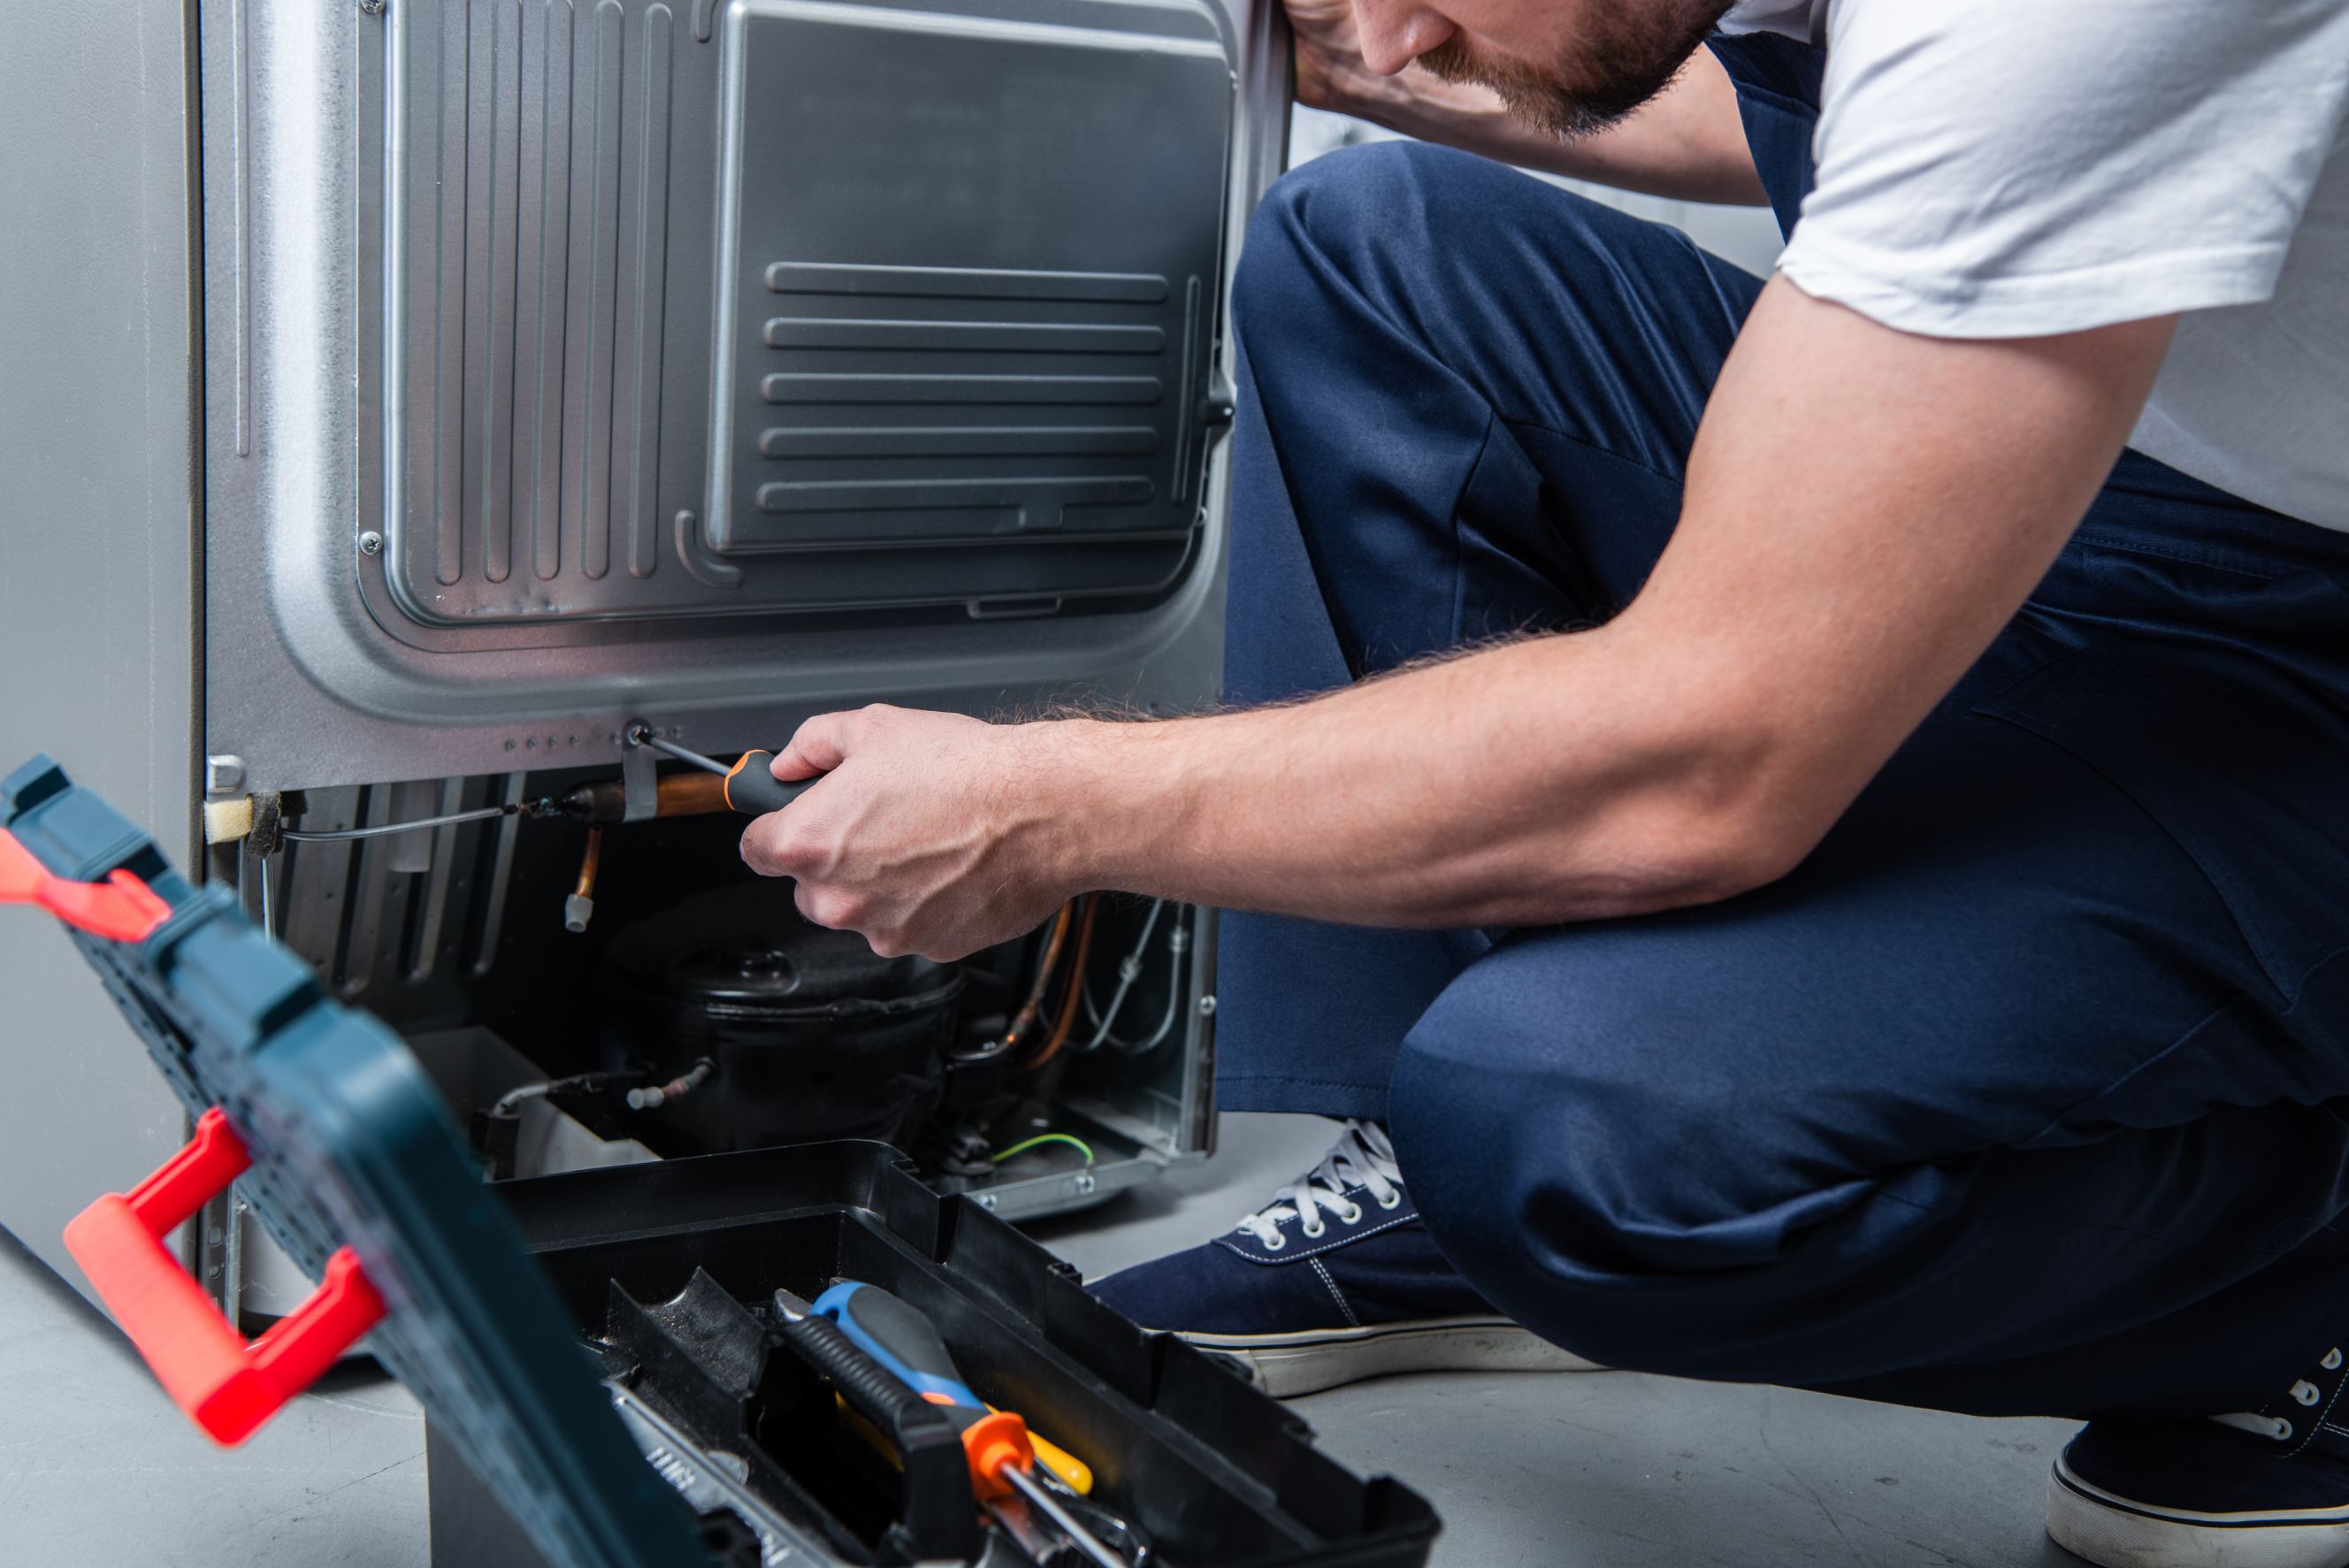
[(1362, 1156), (2303, 1392)]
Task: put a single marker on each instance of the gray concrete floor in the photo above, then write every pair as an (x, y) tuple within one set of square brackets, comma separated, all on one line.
[(1598, 1471)]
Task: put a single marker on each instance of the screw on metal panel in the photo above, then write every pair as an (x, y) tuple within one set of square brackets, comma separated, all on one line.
[(373, 7), (986, 1200), (370, 542), (1206, 1007), (1085, 1182)]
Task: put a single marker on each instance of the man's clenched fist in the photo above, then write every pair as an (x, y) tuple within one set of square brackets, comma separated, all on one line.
[(929, 832)]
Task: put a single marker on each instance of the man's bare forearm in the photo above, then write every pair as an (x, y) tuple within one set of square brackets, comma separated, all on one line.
[(1688, 144), (1545, 780)]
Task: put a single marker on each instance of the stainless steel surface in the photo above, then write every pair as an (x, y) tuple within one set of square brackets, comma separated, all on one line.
[(547, 209), (968, 345), (540, 170), (98, 596), (307, 685)]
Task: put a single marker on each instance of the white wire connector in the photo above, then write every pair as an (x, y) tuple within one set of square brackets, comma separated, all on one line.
[(226, 821), (654, 1098)]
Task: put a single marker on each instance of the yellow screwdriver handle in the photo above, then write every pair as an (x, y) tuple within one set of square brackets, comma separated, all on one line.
[(1062, 1463)]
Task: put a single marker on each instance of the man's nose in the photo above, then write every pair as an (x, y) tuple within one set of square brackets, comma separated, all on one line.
[(1393, 33)]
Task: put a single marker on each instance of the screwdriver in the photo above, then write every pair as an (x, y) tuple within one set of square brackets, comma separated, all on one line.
[(1002, 1456), (750, 788)]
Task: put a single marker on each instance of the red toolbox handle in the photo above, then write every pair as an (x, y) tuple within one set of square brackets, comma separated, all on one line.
[(222, 1383), (122, 907)]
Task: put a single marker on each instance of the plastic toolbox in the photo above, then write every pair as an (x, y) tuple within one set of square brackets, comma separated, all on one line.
[(604, 1384)]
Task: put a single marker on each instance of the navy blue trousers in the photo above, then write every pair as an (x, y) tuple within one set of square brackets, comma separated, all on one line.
[(2024, 1093)]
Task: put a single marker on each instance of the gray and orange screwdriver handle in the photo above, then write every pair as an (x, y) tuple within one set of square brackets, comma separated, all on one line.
[(754, 791)]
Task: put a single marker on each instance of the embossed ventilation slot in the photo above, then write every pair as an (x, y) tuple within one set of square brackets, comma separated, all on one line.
[(1046, 388)]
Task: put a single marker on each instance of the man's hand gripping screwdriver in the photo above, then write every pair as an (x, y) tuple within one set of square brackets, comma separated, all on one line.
[(1002, 1457), (750, 788)]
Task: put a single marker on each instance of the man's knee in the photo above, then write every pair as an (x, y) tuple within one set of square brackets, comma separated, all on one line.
[(1343, 195), (1601, 1183), (1369, 215), (1319, 216)]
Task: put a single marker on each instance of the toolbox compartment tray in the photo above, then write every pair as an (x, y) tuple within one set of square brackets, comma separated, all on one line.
[(1212, 1471)]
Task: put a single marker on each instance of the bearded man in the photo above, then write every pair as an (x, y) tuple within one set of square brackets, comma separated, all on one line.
[(1805, 821)]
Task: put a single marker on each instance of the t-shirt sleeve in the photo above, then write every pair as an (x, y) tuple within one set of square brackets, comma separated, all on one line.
[(2013, 168)]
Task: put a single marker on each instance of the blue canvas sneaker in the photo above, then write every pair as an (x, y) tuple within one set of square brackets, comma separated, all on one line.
[(2265, 1489), (1333, 1280)]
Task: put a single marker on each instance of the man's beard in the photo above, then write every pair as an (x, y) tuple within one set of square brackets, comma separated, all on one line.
[(1631, 52)]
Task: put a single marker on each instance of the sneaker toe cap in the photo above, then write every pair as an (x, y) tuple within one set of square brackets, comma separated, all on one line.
[(1209, 1290)]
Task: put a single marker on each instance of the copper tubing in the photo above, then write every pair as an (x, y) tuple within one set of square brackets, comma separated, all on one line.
[(1034, 1005), (1051, 1048), (691, 795), (677, 795), (588, 862)]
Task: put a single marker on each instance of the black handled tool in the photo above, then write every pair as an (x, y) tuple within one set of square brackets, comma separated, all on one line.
[(907, 1345), (936, 1515), (750, 788)]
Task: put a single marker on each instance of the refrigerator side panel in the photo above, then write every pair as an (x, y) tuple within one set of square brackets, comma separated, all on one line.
[(98, 465)]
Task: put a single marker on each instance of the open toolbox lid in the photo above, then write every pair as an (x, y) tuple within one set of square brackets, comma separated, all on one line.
[(351, 1157)]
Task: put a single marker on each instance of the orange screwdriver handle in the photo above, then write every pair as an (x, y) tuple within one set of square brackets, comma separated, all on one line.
[(994, 1441), (754, 791)]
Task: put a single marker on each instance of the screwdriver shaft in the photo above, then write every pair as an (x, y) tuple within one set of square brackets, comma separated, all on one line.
[(645, 736), (1086, 1541)]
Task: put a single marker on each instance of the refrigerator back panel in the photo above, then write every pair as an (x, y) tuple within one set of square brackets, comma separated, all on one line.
[(792, 304)]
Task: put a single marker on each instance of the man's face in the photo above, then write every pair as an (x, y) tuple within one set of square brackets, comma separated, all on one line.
[(1566, 66)]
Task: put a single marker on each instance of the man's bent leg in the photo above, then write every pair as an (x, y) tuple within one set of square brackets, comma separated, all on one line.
[(2023, 1094), (1465, 397)]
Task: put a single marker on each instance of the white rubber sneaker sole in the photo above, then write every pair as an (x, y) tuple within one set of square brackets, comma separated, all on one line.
[(2115, 1532), (1287, 1365)]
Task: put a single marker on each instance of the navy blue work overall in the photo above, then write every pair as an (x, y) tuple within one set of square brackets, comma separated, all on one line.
[(2024, 1092)]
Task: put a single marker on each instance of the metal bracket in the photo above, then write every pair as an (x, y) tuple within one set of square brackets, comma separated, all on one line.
[(639, 785)]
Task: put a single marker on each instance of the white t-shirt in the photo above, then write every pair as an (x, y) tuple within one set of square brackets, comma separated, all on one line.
[(2015, 168)]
